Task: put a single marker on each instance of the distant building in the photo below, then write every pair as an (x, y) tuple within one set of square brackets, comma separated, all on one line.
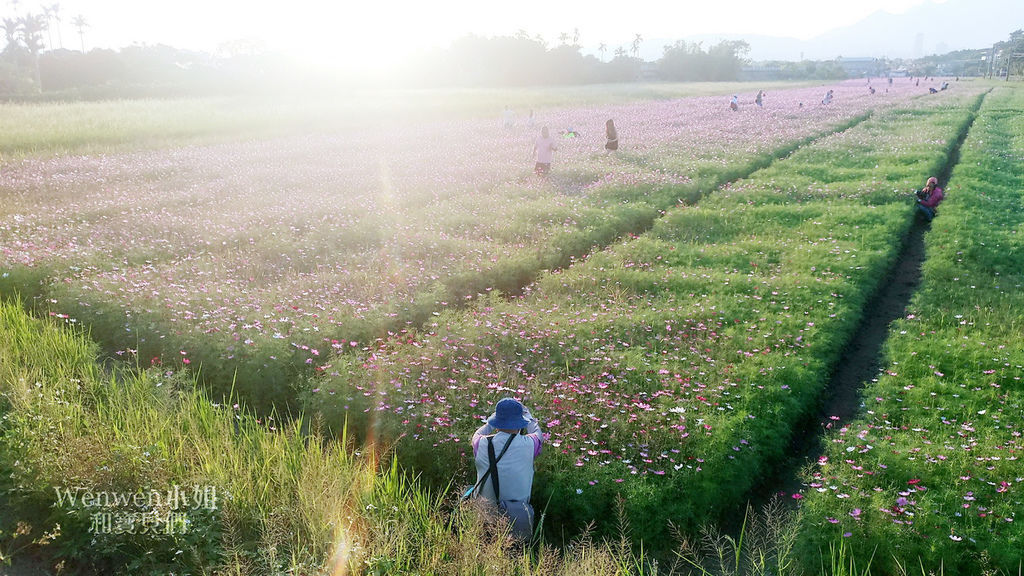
[(861, 67)]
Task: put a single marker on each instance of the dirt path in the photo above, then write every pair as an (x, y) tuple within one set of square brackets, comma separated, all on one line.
[(859, 364)]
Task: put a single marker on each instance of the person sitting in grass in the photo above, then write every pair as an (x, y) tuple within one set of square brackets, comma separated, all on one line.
[(928, 199), (504, 449)]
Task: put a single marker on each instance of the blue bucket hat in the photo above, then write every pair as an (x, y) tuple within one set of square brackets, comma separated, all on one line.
[(508, 415)]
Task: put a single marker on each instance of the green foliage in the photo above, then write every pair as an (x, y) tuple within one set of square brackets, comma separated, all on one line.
[(763, 546), (78, 445), (540, 233), (672, 369), (927, 476), (677, 363), (70, 428), (805, 69), (691, 62)]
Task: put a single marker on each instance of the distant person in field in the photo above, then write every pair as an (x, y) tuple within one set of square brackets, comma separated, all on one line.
[(871, 89), (507, 118), (928, 199), (827, 99), (612, 136), (759, 99), (544, 149), (504, 449), (734, 104), (530, 120)]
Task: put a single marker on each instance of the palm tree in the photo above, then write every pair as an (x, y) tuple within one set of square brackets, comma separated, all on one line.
[(602, 47), (55, 14), (80, 24), (49, 34), (620, 52), (636, 46), (11, 27), (575, 36), (32, 26)]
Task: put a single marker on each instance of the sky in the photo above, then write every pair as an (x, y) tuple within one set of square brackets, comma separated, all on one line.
[(343, 31)]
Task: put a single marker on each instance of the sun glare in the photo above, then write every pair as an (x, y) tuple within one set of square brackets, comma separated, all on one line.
[(365, 38), (373, 37)]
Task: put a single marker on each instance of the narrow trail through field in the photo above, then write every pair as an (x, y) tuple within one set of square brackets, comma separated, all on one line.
[(861, 358), (859, 363)]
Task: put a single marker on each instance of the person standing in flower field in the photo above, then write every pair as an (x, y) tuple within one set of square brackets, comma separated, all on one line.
[(928, 199), (759, 99), (544, 149), (734, 104), (504, 449), (612, 135)]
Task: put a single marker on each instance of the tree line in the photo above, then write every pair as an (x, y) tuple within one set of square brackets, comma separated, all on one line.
[(1003, 59), (29, 70), (20, 65), (522, 60)]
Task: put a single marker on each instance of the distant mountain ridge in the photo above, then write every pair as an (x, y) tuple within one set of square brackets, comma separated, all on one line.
[(931, 28)]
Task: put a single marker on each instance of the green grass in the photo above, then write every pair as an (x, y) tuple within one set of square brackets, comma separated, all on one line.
[(733, 311), (932, 464), (670, 368), (68, 424), (271, 500), (191, 216)]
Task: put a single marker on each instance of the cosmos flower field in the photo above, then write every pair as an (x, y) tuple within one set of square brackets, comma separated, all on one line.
[(932, 467), (670, 312), (672, 367), (263, 256)]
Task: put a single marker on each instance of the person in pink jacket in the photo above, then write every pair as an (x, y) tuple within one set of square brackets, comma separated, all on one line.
[(928, 199), (544, 149)]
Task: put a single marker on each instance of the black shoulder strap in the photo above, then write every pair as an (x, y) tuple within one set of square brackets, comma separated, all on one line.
[(492, 467)]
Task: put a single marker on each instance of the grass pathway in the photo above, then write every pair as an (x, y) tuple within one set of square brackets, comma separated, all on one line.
[(862, 355)]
